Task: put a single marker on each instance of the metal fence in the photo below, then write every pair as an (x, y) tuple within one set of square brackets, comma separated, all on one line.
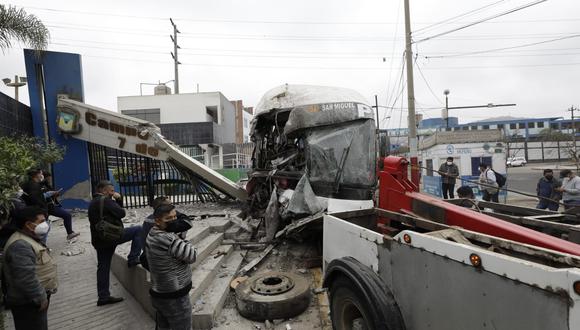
[(140, 179), (15, 117), (541, 151)]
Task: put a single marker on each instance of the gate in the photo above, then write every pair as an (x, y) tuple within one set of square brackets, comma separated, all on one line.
[(140, 179)]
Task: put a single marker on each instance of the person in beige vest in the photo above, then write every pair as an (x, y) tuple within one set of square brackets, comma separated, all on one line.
[(29, 272)]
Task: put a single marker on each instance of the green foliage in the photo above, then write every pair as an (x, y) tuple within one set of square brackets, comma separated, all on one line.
[(16, 24), (17, 156)]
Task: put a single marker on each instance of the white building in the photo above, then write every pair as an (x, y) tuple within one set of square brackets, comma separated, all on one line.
[(198, 122)]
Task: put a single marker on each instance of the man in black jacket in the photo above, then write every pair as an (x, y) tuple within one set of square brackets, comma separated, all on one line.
[(34, 195), (112, 209)]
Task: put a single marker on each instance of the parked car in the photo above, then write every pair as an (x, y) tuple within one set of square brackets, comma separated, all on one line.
[(516, 161)]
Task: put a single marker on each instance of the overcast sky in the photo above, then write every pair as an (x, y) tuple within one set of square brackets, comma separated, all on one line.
[(244, 48)]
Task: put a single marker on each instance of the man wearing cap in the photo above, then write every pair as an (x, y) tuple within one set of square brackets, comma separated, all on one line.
[(449, 172), (108, 206)]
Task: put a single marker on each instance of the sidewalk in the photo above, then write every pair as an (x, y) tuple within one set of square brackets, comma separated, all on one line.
[(74, 306)]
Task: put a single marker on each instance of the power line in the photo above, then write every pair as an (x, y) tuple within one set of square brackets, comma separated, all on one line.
[(426, 82), (482, 20), (458, 16), (237, 21), (506, 48)]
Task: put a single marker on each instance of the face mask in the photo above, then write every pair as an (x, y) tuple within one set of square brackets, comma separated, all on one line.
[(41, 229), (177, 226), (41, 177), (449, 163), (549, 177)]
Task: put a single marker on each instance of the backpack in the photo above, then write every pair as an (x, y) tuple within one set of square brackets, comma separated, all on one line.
[(499, 178), (108, 230)]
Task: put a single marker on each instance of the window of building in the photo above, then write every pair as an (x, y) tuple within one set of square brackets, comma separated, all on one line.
[(540, 124), (522, 125), (532, 125), (500, 126), (554, 126), (513, 126), (150, 115), (212, 113), (485, 127), (474, 128), (566, 125)]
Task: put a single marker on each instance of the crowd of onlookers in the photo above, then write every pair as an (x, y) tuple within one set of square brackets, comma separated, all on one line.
[(29, 273)]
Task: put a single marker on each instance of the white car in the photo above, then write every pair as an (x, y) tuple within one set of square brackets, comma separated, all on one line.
[(516, 161)]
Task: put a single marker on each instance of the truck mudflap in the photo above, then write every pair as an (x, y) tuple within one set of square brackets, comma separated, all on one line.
[(354, 286)]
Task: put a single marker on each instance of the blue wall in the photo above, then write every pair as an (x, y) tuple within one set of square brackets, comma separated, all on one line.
[(62, 74)]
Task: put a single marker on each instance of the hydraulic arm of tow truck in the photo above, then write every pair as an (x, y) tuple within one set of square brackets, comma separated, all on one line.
[(398, 194)]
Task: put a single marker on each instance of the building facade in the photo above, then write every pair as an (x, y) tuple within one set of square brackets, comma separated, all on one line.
[(200, 123)]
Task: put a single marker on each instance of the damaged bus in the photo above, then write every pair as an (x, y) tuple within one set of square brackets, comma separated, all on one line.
[(314, 151)]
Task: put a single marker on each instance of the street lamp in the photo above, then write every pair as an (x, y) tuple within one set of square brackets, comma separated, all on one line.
[(18, 82), (446, 92)]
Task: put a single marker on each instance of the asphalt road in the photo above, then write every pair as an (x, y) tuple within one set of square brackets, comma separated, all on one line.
[(525, 178)]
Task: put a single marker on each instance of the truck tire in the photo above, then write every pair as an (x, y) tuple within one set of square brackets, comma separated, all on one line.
[(359, 299), (273, 295)]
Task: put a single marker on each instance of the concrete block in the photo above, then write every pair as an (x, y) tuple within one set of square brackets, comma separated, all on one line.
[(135, 280), (218, 224), (206, 272), (206, 246), (213, 299), (197, 233)]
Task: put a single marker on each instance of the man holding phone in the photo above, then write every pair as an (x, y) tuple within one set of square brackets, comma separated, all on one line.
[(54, 207)]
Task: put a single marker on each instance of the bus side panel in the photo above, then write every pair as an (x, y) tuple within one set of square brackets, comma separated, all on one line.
[(434, 292)]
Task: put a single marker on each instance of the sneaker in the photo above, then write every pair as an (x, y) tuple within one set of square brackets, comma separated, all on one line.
[(109, 301), (72, 235)]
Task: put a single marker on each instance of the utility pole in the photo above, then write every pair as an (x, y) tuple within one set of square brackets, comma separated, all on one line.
[(174, 55), (377, 110), (572, 109), (411, 98)]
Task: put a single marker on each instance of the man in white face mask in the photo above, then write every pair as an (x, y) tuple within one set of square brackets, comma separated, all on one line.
[(29, 271)]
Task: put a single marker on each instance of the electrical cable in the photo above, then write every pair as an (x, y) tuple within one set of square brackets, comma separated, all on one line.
[(482, 20), (469, 13), (505, 48)]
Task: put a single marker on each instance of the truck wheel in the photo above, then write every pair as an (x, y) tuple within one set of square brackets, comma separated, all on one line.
[(273, 295), (348, 309), (359, 299)]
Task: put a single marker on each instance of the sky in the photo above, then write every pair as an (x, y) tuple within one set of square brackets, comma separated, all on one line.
[(243, 48)]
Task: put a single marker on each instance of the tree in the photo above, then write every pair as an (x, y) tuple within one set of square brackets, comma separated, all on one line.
[(17, 156), (16, 24)]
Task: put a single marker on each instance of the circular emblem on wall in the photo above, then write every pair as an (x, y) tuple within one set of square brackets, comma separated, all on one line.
[(450, 149), (486, 147)]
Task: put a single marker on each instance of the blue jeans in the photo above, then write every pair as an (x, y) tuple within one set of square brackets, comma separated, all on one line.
[(105, 255), (66, 217), (546, 204)]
